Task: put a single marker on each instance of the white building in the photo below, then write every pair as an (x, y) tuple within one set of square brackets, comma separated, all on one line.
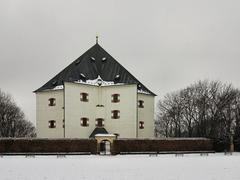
[(94, 94)]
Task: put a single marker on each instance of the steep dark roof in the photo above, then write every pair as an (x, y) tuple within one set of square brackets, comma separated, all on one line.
[(93, 63), (98, 130)]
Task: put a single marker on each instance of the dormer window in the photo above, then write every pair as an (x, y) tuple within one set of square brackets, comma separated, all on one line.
[(115, 114), (84, 122), (141, 104), (99, 122), (77, 62), (139, 86), (141, 125), (104, 59), (93, 59), (82, 77), (115, 98), (52, 124), (52, 101), (116, 78), (84, 97)]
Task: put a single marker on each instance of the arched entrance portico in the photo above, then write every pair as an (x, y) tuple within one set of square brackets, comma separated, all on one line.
[(104, 143)]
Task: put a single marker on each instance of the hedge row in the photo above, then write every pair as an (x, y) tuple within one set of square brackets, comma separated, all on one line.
[(47, 145), (159, 145), (221, 145), (118, 146)]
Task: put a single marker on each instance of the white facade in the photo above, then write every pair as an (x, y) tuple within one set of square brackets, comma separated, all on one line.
[(46, 113), (68, 109)]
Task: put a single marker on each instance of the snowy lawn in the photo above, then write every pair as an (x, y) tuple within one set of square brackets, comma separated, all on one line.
[(122, 167)]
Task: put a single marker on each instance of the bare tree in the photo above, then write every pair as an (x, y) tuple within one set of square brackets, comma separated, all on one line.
[(12, 119), (188, 110), (204, 109), (169, 115)]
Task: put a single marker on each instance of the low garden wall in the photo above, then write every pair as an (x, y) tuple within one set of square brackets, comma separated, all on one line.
[(16, 145), (161, 145)]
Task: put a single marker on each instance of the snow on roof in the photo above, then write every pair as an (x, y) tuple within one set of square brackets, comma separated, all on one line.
[(143, 92), (98, 82), (106, 135), (58, 87)]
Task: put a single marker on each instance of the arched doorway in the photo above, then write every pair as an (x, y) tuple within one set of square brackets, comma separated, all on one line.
[(105, 147), (105, 143)]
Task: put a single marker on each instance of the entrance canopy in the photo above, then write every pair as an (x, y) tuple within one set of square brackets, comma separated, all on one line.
[(98, 130), (105, 137)]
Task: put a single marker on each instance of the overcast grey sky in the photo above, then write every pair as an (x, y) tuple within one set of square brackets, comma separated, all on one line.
[(166, 44)]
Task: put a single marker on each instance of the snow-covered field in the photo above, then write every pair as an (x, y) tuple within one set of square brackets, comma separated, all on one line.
[(122, 167)]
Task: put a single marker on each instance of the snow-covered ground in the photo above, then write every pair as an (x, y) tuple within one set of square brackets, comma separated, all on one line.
[(122, 167)]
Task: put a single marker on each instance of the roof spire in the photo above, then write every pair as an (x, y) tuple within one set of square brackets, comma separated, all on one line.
[(96, 39)]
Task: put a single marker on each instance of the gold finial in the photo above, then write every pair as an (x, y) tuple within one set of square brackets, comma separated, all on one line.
[(96, 39)]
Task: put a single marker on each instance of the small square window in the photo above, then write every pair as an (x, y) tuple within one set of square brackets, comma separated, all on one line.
[(99, 122), (52, 124), (84, 122), (84, 97), (115, 98), (52, 101), (141, 125), (115, 114), (141, 104)]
